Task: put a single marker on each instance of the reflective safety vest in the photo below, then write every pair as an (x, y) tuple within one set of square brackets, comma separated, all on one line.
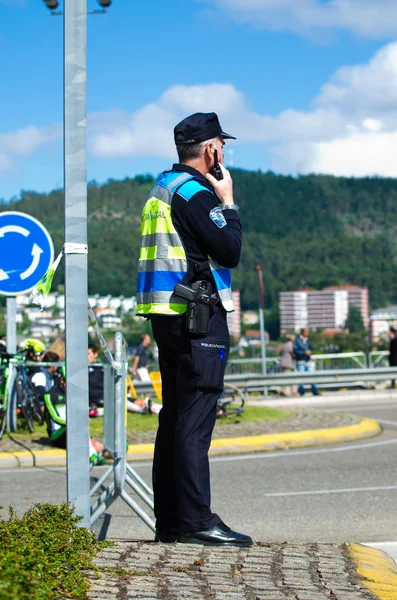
[(162, 260)]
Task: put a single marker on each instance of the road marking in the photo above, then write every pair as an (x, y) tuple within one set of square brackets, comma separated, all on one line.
[(369, 407), (340, 491), (387, 422), (293, 453)]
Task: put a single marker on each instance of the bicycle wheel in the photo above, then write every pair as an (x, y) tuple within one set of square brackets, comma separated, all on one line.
[(3, 415), (38, 415), (34, 400), (232, 401), (24, 403), (3, 402), (12, 402)]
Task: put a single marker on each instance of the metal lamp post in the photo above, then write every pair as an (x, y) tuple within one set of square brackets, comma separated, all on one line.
[(76, 292), (261, 298)]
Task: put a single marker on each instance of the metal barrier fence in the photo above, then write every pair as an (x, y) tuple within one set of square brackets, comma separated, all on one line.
[(115, 425), (251, 382), (343, 360), (378, 359)]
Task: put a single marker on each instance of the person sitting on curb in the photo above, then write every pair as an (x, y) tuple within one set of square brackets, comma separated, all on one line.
[(55, 416), (43, 379), (95, 382)]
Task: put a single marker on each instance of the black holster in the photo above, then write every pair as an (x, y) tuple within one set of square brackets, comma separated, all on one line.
[(200, 299)]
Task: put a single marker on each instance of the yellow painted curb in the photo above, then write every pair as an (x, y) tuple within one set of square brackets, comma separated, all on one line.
[(276, 441), (35, 458), (376, 570), (253, 443)]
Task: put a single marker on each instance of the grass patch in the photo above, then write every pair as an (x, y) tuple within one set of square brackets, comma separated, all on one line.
[(251, 414), (43, 554), (138, 422)]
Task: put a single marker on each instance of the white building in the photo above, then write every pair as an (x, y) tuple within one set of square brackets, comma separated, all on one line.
[(234, 318), (380, 321), (321, 309)]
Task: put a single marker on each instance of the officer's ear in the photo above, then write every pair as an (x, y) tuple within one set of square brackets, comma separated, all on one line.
[(209, 154), (209, 150)]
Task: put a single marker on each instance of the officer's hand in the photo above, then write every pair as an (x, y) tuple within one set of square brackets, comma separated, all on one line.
[(223, 188)]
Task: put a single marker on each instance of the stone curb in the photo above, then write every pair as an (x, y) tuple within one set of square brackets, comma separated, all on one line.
[(376, 570), (266, 571), (258, 443)]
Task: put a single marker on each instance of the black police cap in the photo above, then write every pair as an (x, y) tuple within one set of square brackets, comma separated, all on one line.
[(198, 128)]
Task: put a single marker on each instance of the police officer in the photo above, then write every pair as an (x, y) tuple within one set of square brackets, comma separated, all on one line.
[(191, 235)]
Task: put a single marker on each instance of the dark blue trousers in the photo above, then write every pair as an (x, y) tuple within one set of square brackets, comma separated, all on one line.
[(192, 371)]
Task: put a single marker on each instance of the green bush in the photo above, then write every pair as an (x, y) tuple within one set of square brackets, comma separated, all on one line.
[(44, 553)]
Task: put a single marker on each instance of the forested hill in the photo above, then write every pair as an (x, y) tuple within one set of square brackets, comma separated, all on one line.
[(320, 230)]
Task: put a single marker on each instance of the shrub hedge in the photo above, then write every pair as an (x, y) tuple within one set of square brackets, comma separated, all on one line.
[(43, 554)]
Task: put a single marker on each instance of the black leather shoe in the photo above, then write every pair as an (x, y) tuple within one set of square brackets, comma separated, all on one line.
[(167, 538), (220, 535)]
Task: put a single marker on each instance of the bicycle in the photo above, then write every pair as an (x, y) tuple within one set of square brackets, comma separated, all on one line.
[(23, 399), (4, 363), (231, 402)]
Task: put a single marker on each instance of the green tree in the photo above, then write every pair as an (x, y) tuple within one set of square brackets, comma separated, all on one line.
[(354, 322)]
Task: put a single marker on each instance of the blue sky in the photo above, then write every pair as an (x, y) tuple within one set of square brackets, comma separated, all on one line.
[(305, 85)]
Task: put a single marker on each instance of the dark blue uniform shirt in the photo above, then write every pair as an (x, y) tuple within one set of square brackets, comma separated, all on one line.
[(200, 235)]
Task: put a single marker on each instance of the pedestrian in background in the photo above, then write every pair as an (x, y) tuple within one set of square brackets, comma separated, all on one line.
[(392, 351), (287, 363), (303, 351), (139, 369), (191, 235), (95, 382)]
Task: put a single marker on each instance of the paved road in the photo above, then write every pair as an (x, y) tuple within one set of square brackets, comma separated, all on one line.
[(330, 494)]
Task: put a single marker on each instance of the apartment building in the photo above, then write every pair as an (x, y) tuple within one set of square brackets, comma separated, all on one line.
[(321, 309), (234, 318), (380, 320)]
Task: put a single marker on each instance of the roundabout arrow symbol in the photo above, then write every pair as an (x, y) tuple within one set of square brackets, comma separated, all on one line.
[(14, 229), (36, 251), (3, 275)]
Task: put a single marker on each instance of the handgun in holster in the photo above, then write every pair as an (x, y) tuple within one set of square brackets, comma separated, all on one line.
[(199, 301)]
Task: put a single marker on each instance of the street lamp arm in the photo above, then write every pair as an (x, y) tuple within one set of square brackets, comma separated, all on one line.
[(102, 11), (53, 5)]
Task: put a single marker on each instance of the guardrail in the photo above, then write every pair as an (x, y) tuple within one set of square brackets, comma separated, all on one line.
[(342, 360), (253, 381)]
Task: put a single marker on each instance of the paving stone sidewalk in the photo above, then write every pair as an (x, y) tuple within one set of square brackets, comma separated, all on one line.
[(299, 420), (282, 571)]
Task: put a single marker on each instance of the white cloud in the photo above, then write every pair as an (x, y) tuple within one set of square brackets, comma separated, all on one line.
[(24, 142), (358, 155), (149, 131), (7, 166), (367, 18), (350, 128)]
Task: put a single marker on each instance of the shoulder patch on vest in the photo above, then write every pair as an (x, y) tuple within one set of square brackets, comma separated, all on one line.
[(216, 215), (190, 188)]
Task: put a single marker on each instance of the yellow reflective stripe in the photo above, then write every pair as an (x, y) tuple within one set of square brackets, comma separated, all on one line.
[(156, 217), (148, 253), (161, 309), (176, 252)]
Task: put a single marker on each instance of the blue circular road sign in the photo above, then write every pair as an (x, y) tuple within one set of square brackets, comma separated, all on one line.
[(26, 252)]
